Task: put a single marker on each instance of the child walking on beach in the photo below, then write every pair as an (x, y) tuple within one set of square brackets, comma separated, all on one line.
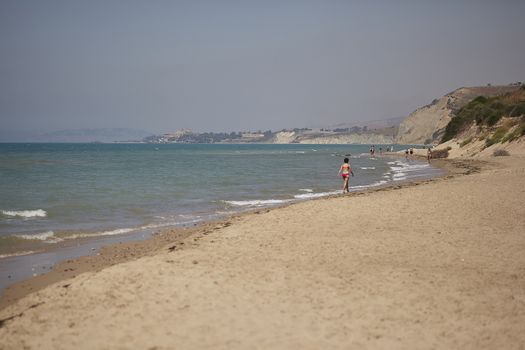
[(345, 172)]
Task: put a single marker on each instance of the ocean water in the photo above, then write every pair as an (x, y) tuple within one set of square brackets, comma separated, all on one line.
[(50, 193)]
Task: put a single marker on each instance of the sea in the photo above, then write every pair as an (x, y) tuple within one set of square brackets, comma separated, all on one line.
[(103, 193)]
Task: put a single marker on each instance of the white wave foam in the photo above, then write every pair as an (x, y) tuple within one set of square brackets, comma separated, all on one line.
[(418, 166), (172, 220), (402, 165), (309, 190), (315, 195), (48, 237), (375, 184), (399, 173), (119, 231), (25, 213), (257, 203), (189, 216), (403, 170), (368, 168), (2, 256), (400, 178), (116, 232), (168, 223)]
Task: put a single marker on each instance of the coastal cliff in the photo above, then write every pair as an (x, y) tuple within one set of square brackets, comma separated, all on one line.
[(354, 135), (487, 126), (332, 138), (426, 125)]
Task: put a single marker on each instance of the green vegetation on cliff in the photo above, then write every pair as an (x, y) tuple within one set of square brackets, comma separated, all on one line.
[(487, 111)]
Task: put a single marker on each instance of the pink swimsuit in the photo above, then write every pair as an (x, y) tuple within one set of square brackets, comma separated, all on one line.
[(347, 169)]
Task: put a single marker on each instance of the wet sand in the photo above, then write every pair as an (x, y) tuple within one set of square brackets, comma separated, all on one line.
[(433, 264)]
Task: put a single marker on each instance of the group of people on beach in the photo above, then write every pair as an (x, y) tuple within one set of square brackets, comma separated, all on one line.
[(373, 150)]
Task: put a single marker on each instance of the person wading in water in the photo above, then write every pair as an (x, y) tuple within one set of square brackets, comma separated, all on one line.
[(345, 172)]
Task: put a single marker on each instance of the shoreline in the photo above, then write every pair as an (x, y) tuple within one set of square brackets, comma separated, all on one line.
[(116, 253), (23, 234), (423, 264)]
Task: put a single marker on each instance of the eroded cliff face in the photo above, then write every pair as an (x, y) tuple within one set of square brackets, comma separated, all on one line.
[(343, 138), (350, 139), (284, 137), (426, 125)]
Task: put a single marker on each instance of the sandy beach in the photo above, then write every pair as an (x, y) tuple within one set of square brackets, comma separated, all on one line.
[(438, 264)]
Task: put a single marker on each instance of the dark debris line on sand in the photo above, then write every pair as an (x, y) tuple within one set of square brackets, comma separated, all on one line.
[(3, 321)]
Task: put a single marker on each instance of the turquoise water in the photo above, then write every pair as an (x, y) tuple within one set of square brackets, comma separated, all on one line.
[(54, 192)]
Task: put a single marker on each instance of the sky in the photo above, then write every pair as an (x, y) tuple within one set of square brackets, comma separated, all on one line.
[(245, 65)]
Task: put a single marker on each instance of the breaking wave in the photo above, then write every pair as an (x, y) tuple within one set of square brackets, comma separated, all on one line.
[(48, 237), (25, 213), (315, 195), (11, 255), (257, 203)]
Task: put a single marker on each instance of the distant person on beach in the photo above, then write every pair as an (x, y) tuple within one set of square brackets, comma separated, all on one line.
[(406, 153), (345, 172), (411, 152), (372, 150), (429, 154)]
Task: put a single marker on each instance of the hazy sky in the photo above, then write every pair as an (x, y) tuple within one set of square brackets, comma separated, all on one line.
[(245, 65)]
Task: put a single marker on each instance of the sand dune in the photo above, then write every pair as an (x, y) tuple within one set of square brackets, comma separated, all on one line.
[(436, 265)]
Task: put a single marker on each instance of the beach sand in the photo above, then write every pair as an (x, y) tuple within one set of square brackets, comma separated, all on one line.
[(436, 264)]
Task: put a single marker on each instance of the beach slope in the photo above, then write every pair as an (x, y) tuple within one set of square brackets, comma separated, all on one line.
[(435, 265)]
